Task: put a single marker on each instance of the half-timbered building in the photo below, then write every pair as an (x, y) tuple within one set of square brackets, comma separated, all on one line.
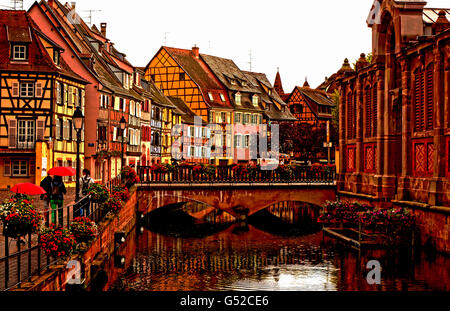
[(39, 93), (394, 116)]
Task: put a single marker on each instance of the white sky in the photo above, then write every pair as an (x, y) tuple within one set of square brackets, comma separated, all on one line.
[(302, 37)]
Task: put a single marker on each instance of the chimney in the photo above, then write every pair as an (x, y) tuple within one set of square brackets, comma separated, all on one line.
[(103, 29), (51, 3), (196, 51), (73, 4)]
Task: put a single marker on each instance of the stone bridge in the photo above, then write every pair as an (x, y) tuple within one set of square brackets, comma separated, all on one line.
[(230, 198)]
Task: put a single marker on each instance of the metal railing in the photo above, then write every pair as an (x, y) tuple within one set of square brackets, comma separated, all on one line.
[(25, 258), (187, 174)]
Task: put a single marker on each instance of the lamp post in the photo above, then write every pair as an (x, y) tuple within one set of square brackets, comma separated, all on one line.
[(123, 124), (78, 123)]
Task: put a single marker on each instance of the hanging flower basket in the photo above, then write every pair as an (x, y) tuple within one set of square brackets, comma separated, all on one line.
[(83, 229), (113, 204), (57, 242), (98, 192), (19, 218), (121, 192)]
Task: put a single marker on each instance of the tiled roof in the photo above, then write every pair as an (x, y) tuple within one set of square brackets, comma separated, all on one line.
[(188, 116), (82, 36), (226, 70), (201, 74), (18, 26)]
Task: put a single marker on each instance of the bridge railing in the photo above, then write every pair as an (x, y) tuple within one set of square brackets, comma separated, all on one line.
[(229, 174)]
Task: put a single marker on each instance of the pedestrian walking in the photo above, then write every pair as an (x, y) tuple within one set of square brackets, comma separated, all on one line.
[(46, 184), (85, 182), (57, 199)]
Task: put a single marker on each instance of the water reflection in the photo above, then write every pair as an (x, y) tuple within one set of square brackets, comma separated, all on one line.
[(194, 248)]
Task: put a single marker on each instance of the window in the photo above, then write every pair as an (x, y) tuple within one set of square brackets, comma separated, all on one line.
[(351, 116), (238, 118), (210, 96), (223, 117), (237, 141), (254, 119), (19, 168), (222, 97), (19, 52), (370, 111), (423, 152), (27, 89), (56, 57), (246, 141), (246, 118), (182, 76), (237, 98), (233, 82), (255, 100), (25, 134)]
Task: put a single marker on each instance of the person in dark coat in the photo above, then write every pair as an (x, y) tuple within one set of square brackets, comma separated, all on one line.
[(46, 184), (57, 199)]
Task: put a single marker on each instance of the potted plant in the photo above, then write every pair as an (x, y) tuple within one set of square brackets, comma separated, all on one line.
[(57, 242), (114, 203), (19, 218), (122, 192), (83, 229), (130, 177), (99, 193)]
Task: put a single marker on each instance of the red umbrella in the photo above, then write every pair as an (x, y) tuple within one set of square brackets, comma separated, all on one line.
[(28, 188), (62, 171)]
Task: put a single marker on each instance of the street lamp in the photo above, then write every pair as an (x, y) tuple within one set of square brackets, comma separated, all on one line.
[(78, 123), (123, 124)]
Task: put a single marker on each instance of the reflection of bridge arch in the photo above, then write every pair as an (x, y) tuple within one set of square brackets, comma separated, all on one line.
[(252, 198)]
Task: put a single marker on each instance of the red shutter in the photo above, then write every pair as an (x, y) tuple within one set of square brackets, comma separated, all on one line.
[(7, 167), (38, 89), (430, 98), (12, 133), (419, 101), (368, 106), (375, 109), (40, 130), (15, 89)]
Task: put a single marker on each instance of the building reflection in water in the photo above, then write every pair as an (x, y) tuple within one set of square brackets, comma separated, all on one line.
[(231, 255)]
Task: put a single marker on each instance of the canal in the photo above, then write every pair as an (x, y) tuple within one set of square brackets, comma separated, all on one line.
[(192, 247)]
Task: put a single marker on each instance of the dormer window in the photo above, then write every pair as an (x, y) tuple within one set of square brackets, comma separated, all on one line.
[(210, 95), (222, 97), (233, 82), (56, 57), (237, 98), (19, 52), (270, 92), (244, 83), (255, 100)]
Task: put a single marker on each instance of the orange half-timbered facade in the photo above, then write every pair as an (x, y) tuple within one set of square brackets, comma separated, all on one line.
[(39, 94)]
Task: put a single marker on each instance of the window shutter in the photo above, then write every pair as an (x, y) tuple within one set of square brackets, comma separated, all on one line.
[(368, 105), (76, 94), (115, 134), (375, 110), (12, 133), (58, 93), (65, 94), (7, 167), (430, 98), (124, 105), (40, 130), (70, 94), (38, 89), (83, 98), (58, 130), (15, 89), (418, 101)]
